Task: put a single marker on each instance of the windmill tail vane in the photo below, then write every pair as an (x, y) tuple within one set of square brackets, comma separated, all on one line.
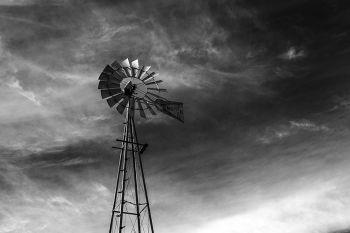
[(128, 86)]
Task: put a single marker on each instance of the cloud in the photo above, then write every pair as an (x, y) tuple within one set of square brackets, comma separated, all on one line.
[(293, 53), (308, 126), (16, 2), (44, 207), (321, 208), (27, 94), (277, 133)]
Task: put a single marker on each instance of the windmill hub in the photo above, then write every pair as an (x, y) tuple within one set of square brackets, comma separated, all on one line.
[(133, 87)]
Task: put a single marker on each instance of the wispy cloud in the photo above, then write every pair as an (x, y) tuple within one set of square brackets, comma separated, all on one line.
[(27, 94), (282, 131), (293, 53), (16, 2)]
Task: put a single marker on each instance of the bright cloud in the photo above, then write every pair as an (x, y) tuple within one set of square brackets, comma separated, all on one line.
[(320, 209), (293, 53), (276, 133), (27, 94)]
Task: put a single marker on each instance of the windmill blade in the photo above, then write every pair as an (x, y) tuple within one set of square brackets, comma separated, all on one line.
[(125, 63), (109, 74), (135, 67), (154, 82), (135, 63), (110, 92), (126, 66), (170, 108), (122, 105), (115, 78), (149, 107), (142, 112), (108, 85), (151, 75), (157, 89), (119, 75), (116, 65), (115, 99), (157, 96), (143, 71), (106, 77), (108, 70), (150, 100)]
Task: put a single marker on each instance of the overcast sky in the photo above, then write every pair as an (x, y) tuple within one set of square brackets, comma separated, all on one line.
[(265, 86)]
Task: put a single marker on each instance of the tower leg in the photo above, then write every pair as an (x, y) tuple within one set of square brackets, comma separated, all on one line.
[(131, 198), (125, 150), (143, 178), (121, 160), (131, 120)]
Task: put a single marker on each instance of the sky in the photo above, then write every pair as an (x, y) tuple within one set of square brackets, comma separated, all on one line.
[(265, 86)]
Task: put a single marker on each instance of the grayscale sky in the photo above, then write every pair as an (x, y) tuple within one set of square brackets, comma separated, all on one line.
[(265, 85)]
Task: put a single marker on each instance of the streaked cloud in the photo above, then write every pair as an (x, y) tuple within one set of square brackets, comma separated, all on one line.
[(276, 133), (27, 94)]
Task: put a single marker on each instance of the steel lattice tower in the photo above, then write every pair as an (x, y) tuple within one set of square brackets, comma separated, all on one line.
[(123, 85)]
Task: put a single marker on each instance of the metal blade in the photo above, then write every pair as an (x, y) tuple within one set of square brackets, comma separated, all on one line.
[(125, 63), (151, 75), (108, 85), (108, 69), (111, 79), (157, 96), (135, 63), (150, 100), (126, 66), (157, 89), (119, 75), (143, 71), (146, 68), (142, 112), (104, 77), (109, 92), (115, 99), (154, 82), (116, 65), (149, 107), (135, 67), (132, 106), (109, 74), (122, 105)]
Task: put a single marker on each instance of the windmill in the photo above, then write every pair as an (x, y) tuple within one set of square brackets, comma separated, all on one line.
[(133, 89)]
